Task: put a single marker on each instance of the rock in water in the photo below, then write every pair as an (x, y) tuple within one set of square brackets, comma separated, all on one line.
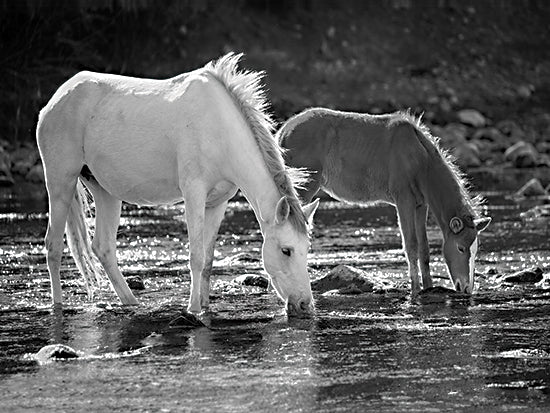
[(532, 188), (342, 278), (531, 275), (186, 320), (522, 154), (56, 352), (135, 282), (253, 280)]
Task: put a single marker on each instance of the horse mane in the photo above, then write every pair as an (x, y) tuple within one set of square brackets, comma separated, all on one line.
[(247, 91), (473, 203)]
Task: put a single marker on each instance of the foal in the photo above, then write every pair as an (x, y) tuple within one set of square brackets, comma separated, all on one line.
[(362, 158)]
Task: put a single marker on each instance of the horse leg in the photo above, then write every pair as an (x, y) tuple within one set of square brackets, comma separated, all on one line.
[(421, 214), (406, 214), (213, 217), (107, 219), (195, 212), (61, 192)]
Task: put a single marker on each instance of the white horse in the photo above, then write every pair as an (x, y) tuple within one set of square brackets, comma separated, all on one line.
[(197, 137)]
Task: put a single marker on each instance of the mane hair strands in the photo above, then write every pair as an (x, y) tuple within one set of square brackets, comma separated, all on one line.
[(473, 203), (246, 89)]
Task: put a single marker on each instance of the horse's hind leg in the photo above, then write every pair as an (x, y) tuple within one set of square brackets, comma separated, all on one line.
[(213, 217), (406, 213), (104, 242), (421, 214), (61, 190)]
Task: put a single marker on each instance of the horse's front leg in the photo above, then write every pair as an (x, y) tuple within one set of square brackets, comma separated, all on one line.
[(194, 216), (406, 214), (421, 215), (212, 219)]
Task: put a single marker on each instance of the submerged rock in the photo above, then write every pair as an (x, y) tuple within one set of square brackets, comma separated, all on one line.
[(345, 279), (533, 187), (254, 280), (530, 275), (56, 352), (135, 282)]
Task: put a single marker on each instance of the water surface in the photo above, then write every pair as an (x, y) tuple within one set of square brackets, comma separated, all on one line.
[(367, 352)]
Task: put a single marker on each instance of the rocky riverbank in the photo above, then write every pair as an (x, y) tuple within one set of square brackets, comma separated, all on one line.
[(474, 140)]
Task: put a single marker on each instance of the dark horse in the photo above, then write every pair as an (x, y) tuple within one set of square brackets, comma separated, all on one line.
[(362, 158)]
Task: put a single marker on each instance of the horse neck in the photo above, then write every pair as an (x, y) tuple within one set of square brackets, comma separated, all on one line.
[(258, 186), (445, 193)]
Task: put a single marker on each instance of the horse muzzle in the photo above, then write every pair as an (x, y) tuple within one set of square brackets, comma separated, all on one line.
[(302, 308)]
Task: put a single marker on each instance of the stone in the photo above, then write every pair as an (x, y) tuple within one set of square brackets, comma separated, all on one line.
[(186, 320), (345, 278), (522, 155), (539, 214), (531, 275), (135, 282), (533, 187), (56, 352), (471, 117), (35, 174), (490, 134), (254, 280)]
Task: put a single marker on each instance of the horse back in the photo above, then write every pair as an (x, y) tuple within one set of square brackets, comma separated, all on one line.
[(360, 158)]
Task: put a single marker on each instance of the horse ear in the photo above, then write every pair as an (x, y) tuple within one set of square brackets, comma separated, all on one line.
[(309, 210), (456, 225), (282, 210), (482, 223)]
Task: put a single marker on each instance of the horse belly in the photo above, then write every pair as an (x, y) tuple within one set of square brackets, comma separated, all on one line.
[(134, 174), (355, 183)]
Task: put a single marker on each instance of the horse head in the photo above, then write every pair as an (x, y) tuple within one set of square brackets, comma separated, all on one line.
[(284, 254), (460, 242)]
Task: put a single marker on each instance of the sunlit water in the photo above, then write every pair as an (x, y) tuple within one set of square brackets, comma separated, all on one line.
[(367, 352)]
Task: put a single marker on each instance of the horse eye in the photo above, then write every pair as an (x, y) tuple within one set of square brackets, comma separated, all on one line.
[(461, 249), (286, 251)]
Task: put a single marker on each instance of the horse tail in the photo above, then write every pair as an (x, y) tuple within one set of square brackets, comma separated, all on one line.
[(79, 235), (246, 89)]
